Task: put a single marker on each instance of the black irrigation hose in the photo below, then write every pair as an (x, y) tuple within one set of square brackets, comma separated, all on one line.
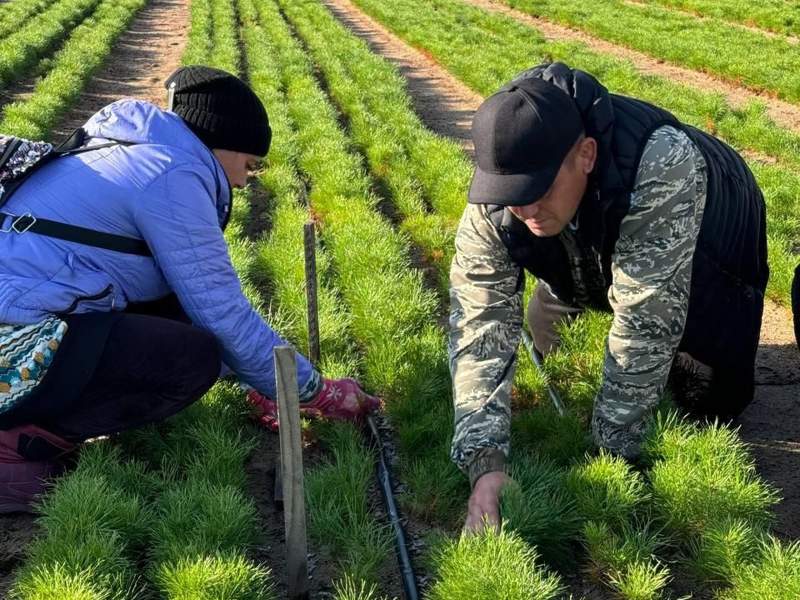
[(384, 475), (385, 483)]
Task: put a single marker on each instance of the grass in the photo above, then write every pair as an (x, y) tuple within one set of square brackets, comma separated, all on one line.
[(93, 525), (23, 47), (337, 492), (606, 489), (72, 67), (772, 15), (722, 548), (756, 61), (625, 558), (540, 509), (490, 566), (776, 575), (425, 176), (213, 577), (14, 12), (199, 42), (701, 475), (348, 589), (450, 30)]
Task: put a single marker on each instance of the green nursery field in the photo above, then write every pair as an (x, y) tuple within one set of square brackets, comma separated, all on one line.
[(169, 511)]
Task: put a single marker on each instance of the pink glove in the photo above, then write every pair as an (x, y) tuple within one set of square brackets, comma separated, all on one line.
[(339, 399)]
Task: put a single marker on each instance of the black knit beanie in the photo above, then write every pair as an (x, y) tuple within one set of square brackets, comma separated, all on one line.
[(220, 109)]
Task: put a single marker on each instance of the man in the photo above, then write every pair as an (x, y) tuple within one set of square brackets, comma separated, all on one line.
[(94, 340), (611, 203)]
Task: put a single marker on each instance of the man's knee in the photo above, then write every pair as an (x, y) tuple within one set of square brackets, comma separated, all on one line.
[(711, 392)]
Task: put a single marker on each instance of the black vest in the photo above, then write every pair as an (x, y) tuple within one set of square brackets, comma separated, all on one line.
[(729, 272)]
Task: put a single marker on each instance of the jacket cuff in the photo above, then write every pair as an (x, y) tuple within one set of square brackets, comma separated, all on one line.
[(312, 387), (487, 460)]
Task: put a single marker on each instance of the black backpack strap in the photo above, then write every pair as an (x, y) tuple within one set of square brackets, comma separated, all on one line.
[(72, 233), (74, 144)]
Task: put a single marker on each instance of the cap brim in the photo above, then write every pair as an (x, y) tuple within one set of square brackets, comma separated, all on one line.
[(514, 189)]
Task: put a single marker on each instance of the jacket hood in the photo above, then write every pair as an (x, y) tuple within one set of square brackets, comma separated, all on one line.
[(594, 104), (140, 122)]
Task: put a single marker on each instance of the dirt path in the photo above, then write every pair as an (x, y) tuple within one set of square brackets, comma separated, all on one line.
[(142, 59), (791, 39), (444, 103), (783, 113), (772, 422)]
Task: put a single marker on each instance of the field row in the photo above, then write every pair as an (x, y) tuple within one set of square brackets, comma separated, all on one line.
[(744, 57), (772, 15), (386, 194), (69, 70), (449, 30), (555, 506)]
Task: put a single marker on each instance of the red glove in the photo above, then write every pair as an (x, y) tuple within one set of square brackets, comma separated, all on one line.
[(338, 399)]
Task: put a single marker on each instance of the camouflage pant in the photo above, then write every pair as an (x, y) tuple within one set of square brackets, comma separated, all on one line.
[(545, 313), (696, 387)]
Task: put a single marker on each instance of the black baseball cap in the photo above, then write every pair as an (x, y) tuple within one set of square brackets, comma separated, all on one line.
[(522, 134)]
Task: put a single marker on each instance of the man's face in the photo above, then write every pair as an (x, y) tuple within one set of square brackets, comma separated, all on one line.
[(237, 165), (548, 215)]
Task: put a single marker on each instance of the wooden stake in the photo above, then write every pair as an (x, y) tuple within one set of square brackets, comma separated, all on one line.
[(292, 467), (311, 292)]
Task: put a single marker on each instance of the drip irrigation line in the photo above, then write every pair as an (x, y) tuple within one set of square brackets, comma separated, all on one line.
[(387, 491), (383, 474), (537, 360)]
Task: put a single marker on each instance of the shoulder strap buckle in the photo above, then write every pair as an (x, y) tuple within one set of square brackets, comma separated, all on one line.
[(19, 223)]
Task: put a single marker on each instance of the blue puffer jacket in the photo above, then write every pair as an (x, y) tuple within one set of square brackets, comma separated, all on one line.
[(167, 189)]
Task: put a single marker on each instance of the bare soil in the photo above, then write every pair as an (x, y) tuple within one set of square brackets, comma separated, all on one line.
[(445, 104), (16, 533), (783, 113), (771, 424), (143, 57), (271, 548)]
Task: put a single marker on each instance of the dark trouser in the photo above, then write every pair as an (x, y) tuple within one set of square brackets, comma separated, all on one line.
[(706, 390), (147, 368)]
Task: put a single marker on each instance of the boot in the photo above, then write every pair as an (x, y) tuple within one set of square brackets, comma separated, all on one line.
[(29, 456)]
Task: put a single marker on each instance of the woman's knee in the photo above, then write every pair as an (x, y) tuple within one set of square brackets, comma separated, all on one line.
[(204, 361)]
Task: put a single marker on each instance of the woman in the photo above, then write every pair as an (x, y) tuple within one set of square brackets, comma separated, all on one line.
[(95, 340)]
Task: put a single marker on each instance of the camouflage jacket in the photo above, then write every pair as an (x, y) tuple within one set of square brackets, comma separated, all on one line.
[(649, 296)]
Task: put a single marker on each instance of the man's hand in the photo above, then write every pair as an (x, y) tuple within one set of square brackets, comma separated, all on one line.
[(484, 503), (338, 399)]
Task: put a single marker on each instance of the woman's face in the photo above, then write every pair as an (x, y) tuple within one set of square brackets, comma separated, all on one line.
[(237, 165)]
